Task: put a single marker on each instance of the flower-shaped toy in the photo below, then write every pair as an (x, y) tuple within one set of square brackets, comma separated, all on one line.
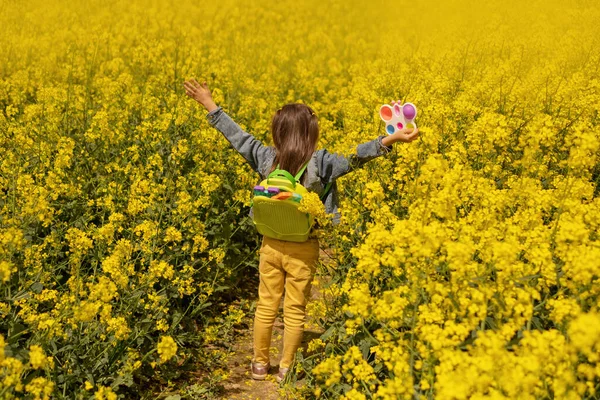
[(398, 116)]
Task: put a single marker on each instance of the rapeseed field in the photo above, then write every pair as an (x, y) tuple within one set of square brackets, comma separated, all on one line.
[(466, 264)]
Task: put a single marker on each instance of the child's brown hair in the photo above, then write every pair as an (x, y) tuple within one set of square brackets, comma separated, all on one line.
[(295, 130)]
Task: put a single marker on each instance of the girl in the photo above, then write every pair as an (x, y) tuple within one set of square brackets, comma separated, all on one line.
[(287, 264)]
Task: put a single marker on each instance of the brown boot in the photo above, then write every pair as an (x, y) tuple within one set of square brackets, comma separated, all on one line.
[(259, 370), (281, 374)]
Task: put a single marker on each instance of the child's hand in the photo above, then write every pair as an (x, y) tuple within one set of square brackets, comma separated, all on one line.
[(405, 135), (200, 93)]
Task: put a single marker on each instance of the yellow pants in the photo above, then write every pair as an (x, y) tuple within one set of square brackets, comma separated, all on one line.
[(288, 265)]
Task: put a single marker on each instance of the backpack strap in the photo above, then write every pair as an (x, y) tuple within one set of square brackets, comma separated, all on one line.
[(327, 187), (326, 191), (296, 179), (299, 174), (281, 173), (288, 175)]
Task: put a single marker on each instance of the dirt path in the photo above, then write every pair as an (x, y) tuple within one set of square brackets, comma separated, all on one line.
[(240, 385)]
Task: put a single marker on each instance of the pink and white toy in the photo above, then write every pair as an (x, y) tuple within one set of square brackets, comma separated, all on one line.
[(398, 116)]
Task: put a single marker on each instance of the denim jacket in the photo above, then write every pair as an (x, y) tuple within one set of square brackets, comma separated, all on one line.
[(322, 168)]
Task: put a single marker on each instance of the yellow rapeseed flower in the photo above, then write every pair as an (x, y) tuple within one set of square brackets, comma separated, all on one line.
[(167, 348)]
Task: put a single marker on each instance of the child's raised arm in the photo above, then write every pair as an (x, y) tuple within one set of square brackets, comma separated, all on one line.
[(249, 147), (332, 166)]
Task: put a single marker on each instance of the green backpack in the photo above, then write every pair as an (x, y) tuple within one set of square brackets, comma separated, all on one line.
[(275, 206)]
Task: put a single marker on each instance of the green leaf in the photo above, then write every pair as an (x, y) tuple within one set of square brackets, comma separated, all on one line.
[(365, 347), (37, 287), (328, 333)]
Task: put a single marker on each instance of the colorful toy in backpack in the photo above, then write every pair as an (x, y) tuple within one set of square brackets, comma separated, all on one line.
[(275, 206), (398, 116)]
